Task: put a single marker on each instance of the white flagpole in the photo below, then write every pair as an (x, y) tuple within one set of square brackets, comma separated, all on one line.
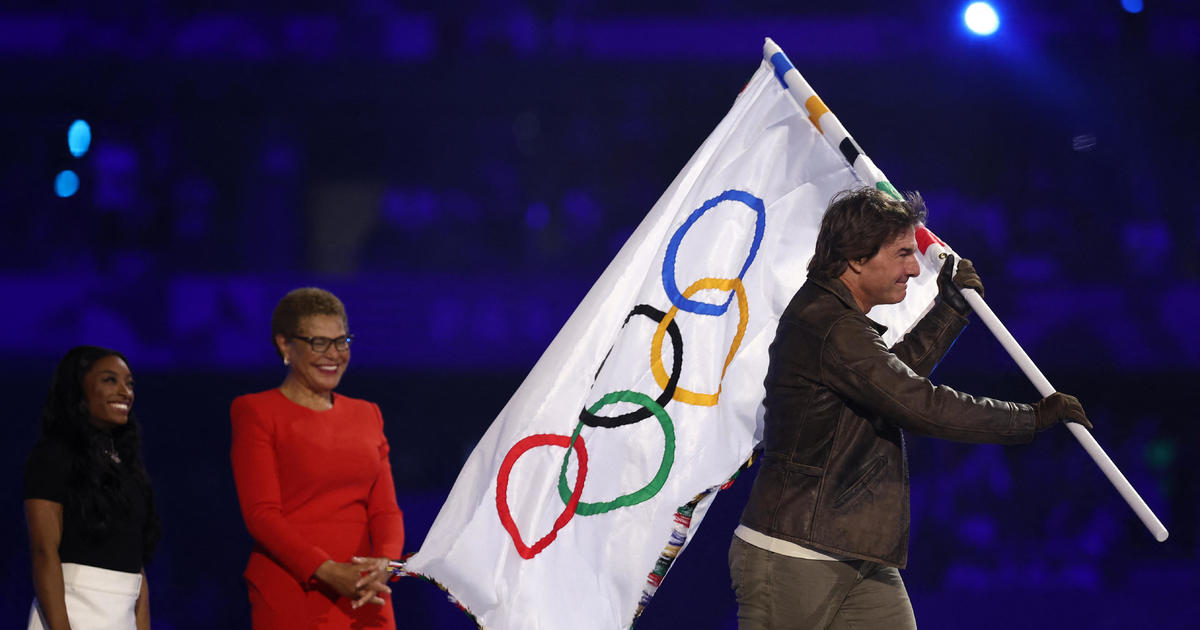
[(1044, 388), (837, 136)]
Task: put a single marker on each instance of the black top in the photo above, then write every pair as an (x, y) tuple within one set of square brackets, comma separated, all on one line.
[(121, 549)]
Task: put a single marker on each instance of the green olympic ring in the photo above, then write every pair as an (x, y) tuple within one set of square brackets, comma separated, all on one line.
[(664, 469)]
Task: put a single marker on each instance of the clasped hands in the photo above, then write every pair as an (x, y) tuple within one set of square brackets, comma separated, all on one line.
[(363, 580)]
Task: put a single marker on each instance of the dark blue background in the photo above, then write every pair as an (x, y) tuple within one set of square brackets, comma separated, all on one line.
[(460, 173)]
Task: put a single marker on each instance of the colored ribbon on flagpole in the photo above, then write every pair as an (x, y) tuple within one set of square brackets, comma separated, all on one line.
[(934, 249)]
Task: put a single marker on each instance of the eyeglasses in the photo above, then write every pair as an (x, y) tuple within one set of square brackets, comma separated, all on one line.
[(321, 344)]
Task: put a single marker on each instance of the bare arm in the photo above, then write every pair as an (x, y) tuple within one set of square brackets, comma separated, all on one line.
[(45, 521), (142, 609)]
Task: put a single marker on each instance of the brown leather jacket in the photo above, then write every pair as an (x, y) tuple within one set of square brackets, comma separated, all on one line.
[(834, 474)]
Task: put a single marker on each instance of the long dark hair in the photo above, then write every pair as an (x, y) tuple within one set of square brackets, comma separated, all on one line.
[(94, 484)]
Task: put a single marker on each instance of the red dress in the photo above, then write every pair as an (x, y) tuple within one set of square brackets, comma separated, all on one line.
[(313, 486)]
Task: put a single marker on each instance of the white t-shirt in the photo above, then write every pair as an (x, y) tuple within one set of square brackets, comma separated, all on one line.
[(783, 547)]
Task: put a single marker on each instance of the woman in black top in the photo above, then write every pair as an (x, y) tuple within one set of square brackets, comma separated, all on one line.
[(88, 502)]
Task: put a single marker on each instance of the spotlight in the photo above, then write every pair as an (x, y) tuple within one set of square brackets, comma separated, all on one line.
[(79, 138), (66, 183), (981, 18), (1132, 6)]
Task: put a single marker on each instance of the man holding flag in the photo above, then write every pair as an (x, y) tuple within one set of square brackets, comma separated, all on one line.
[(826, 527), (577, 500)]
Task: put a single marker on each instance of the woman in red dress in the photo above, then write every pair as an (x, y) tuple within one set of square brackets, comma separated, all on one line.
[(314, 482)]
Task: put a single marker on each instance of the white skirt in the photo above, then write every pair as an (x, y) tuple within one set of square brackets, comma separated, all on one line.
[(97, 599)]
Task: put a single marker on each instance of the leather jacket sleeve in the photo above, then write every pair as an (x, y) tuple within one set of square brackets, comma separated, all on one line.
[(856, 364), (923, 347)]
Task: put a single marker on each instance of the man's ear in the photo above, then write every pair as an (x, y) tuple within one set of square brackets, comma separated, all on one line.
[(856, 265)]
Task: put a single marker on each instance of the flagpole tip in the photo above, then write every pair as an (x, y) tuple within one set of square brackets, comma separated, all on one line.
[(770, 48)]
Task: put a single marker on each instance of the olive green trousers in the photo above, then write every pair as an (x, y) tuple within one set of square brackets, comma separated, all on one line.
[(778, 592)]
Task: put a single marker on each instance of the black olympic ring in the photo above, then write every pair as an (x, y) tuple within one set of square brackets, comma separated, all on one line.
[(641, 413)]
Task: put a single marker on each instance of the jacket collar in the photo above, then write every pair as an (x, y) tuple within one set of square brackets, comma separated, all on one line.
[(842, 292)]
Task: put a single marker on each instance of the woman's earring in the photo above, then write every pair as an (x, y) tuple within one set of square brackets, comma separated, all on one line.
[(285, 361)]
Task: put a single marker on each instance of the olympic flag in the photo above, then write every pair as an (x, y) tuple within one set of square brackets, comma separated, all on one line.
[(579, 496)]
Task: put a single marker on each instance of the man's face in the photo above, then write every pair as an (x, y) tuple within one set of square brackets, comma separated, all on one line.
[(883, 278)]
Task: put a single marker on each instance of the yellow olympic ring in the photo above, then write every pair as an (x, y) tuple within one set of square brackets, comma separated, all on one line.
[(656, 364)]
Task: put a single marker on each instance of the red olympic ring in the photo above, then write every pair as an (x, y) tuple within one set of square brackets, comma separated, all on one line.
[(515, 453)]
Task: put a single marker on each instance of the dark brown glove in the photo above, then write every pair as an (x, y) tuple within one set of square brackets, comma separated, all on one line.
[(1059, 406), (965, 278)]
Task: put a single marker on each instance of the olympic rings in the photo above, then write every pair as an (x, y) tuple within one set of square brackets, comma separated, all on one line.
[(656, 366), (637, 496), (668, 270), (668, 383), (542, 439), (647, 406)]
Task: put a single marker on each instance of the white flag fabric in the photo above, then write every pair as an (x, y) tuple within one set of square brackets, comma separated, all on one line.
[(578, 497)]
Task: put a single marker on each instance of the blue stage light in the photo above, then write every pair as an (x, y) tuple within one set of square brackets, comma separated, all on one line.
[(1132, 6), (79, 138), (981, 18), (66, 184)]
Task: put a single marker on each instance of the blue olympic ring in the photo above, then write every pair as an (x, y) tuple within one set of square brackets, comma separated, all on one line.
[(668, 271)]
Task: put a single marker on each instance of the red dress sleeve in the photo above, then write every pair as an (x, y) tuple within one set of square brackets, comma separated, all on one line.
[(385, 518), (255, 474)]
